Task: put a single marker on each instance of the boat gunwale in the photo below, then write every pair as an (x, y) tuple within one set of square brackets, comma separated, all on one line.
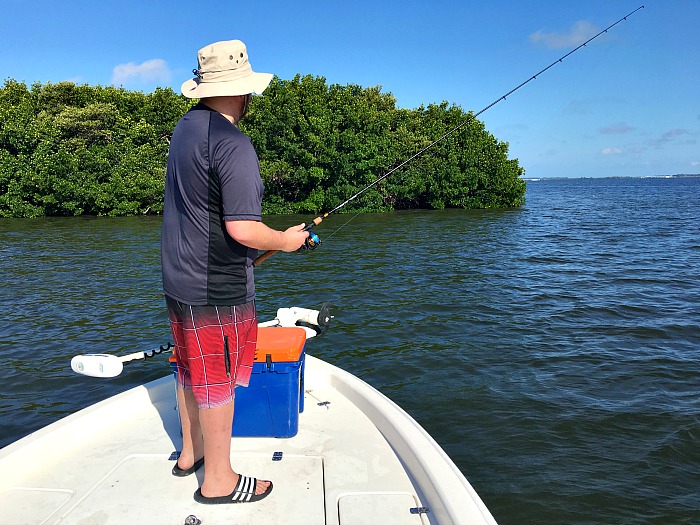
[(438, 481)]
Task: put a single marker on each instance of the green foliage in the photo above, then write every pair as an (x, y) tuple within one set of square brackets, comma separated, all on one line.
[(82, 150), (319, 145), (69, 149)]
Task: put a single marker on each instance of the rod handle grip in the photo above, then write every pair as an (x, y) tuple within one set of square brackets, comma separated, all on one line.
[(315, 222), (266, 255)]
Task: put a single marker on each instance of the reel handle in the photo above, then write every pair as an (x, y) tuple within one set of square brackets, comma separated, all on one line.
[(311, 242)]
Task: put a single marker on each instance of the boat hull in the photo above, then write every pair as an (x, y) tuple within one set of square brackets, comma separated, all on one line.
[(357, 459)]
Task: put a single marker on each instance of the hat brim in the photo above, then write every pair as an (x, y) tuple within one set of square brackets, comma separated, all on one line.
[(253, 83)]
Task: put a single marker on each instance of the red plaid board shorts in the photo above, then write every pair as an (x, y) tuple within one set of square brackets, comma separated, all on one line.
[(214, 349)]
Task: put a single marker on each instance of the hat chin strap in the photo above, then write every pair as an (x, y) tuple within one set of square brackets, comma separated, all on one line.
[(246, 105)]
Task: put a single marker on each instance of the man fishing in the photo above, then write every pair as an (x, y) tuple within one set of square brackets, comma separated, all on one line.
[(212, 229)]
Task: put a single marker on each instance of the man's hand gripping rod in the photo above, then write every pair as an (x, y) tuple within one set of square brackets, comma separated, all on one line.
[(311, 242)]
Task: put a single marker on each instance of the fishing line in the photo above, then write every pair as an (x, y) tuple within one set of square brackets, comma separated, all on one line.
[(313, 239), (343, 225)]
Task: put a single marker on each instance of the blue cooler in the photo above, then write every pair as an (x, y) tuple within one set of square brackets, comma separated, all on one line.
[(270, 405)]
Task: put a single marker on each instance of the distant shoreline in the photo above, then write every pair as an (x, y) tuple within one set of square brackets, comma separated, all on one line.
[(677, 176)]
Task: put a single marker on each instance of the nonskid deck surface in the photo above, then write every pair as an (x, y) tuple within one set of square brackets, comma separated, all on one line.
[(111, 463)]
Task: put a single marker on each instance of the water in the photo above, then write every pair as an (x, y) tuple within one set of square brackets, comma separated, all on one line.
[(553, 351)]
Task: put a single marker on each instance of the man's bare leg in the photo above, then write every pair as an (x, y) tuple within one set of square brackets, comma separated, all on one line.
[(192, 443), (219, 478)]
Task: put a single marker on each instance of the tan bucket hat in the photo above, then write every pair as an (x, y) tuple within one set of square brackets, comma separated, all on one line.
[(224, 71)]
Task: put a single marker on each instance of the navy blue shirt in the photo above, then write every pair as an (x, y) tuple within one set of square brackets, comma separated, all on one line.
[(213, 176)]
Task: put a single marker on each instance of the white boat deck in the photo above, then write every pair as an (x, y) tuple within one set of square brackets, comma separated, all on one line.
[(357, 459)]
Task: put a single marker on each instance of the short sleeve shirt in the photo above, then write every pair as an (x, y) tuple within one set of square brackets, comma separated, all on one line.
[(213, 176)]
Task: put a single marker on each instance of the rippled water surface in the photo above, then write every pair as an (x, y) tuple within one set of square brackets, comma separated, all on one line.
[(553, 351)]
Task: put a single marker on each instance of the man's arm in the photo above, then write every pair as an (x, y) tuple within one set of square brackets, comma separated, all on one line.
[(255, 234)]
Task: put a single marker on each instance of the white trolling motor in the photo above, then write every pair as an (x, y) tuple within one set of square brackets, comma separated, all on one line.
[(108, 365), (295, 315)]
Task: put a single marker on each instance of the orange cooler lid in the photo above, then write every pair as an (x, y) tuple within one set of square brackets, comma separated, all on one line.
[(283, 344)]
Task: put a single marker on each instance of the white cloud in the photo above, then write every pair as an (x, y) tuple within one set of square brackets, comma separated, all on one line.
[(154, 70), (616, 129), (577, 35), (611, 151), (673, 133)]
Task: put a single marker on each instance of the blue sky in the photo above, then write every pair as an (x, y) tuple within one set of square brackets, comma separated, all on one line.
[(627, 104)]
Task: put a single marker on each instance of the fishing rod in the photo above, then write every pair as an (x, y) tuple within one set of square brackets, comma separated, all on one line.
[(313, 240)]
